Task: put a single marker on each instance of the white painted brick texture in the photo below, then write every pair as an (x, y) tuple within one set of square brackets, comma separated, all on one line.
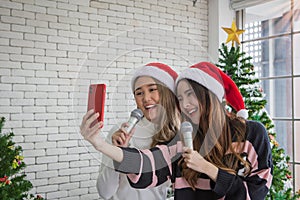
[(50, 51)]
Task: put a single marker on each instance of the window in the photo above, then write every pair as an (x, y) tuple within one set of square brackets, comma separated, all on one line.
[(272, 38)]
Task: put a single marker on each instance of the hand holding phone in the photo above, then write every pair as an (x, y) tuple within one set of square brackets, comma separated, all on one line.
[(96, 100)]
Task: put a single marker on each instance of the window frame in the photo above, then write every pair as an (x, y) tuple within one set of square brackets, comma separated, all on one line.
[(240, 12)]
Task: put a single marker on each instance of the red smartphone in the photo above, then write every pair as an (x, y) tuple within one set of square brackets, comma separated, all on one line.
[(96, 100)]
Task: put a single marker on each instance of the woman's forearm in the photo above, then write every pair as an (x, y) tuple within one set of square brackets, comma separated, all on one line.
[(212, 171), (111, 151)]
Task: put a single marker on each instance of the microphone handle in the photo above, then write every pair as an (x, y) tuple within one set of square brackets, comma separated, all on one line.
[(131, 124), (188, 141)]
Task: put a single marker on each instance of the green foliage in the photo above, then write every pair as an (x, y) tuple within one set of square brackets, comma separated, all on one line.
[(13, 185), (238, 66)]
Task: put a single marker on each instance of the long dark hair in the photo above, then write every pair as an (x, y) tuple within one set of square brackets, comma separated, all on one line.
[(213, 138)]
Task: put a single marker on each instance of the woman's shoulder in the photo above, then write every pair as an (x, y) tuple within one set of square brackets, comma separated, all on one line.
[(256, 131), (255, 125)]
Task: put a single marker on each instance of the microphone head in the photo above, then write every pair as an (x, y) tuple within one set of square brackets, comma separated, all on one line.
[(186, 130), (186, 127), (137, 113)]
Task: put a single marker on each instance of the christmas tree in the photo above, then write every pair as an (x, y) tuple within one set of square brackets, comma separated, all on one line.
[(238, 66), (13, 185)]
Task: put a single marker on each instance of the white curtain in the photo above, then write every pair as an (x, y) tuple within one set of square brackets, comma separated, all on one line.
[(241, 4)]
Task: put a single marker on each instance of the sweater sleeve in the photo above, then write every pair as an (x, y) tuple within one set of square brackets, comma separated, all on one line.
[(257, 184), (151, 167), (107, 182)]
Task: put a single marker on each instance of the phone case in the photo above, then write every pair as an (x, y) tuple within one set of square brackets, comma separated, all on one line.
[(96, 99)]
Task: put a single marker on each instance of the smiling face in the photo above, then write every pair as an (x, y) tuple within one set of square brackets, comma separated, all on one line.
[(147, 97), (188, 101)]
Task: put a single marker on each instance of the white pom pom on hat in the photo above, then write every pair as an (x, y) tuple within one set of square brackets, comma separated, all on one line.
[(215, 80), (159, 71)]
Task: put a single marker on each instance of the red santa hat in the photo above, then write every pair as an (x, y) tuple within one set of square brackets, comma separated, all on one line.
[(158, 71), (217, 82)]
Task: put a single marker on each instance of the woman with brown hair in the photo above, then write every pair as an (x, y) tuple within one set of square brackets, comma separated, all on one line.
[(153, 88)]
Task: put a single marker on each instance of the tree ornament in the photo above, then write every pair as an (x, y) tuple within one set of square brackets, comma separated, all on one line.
[(233, 33)]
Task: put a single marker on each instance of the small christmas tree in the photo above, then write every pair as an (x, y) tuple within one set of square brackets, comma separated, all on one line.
[(13, 185), (238, 66)]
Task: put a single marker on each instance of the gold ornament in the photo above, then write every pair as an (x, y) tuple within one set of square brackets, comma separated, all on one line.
[(233, 33)]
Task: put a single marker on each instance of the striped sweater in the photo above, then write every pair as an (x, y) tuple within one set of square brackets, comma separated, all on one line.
[(152, 167)]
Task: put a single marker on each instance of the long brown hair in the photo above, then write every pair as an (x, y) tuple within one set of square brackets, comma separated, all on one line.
[(170, 120), (213, 138)]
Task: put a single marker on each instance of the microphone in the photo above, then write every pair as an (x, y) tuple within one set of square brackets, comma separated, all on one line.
[(186, 130), (135, 116)]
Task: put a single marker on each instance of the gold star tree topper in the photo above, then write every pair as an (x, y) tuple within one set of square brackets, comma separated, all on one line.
[(233, 33)]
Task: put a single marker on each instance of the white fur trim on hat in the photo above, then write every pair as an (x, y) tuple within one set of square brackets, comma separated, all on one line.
[(156, 73), (204, 79), (243, 113)]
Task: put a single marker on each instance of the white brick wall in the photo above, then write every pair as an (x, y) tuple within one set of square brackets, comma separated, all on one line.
[(50, 51)]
